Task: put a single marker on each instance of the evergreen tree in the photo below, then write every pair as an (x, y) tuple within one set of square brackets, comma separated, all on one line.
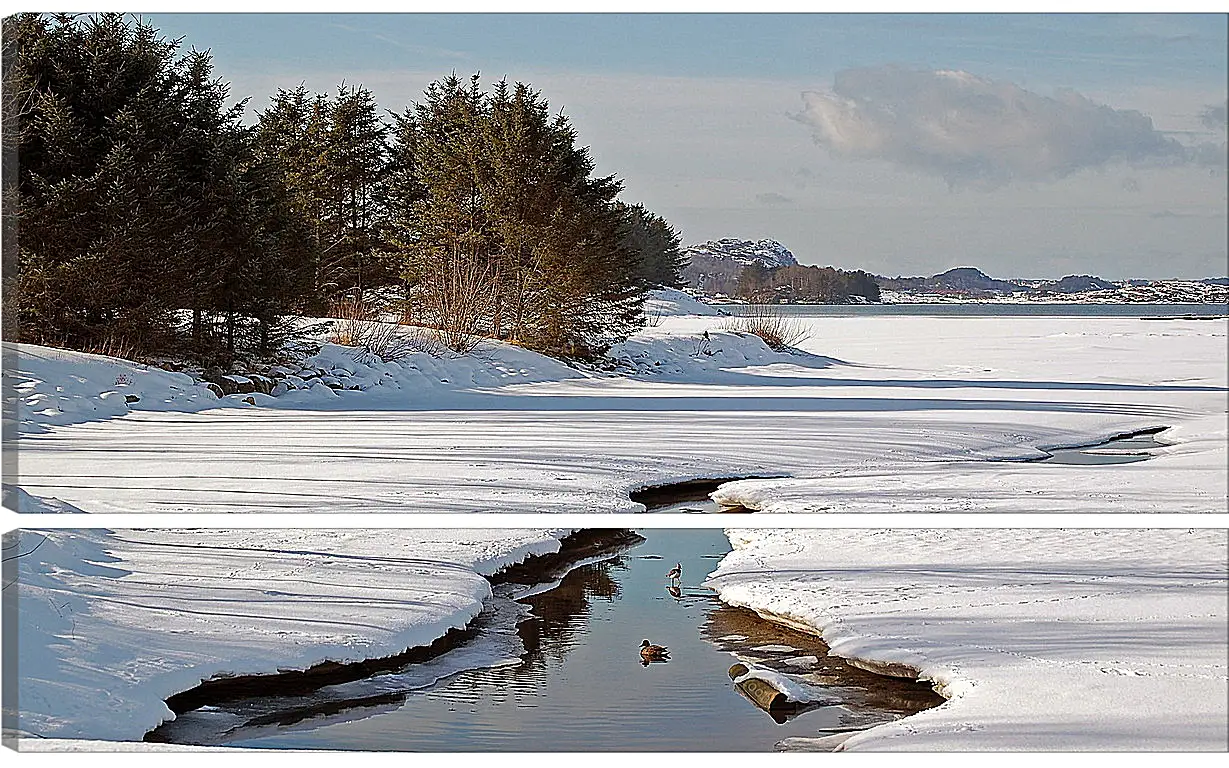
[(659, 246), (135, 190), (333, 156), (502, 227)]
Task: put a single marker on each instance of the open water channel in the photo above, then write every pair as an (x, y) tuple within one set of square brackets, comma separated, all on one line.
[(576, 681)]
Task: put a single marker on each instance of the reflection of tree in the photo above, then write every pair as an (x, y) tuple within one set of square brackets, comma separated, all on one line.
[(559, 615)]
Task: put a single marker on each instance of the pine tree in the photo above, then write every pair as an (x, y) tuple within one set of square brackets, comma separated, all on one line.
[(136, 194), (659, 246), (333, 155), (502, 227)]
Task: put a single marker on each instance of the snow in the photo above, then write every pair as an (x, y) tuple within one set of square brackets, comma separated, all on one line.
[(30, 744), (1042, 640), (876, 414), (58, 386), (670, 302), (113, 622)]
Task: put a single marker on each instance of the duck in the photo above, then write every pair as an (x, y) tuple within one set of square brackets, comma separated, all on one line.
[(675, 573), (650, 652)]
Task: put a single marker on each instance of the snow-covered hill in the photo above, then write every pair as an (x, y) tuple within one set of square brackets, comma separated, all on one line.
[(768, 253)]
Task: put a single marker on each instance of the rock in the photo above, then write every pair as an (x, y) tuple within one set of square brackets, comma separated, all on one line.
[(294, 382), (280, 389), (132, 398), (238, 384), (214, 388), (250, 400), (262, 384)]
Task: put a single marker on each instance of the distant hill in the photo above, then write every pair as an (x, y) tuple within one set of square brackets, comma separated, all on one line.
[(961, 280), (768, 253), (714, 267), (969, 283), (769, 273), (1078, 284), (971, 279)]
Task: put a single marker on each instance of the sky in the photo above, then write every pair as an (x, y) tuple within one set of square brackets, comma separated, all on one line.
[(1032, 146)]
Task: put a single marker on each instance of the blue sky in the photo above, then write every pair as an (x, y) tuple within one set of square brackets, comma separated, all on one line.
[(902, 144)]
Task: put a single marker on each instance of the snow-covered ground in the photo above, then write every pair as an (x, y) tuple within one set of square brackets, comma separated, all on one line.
[(1044, 639), (113, 622), (1110, 640), (880, 414)]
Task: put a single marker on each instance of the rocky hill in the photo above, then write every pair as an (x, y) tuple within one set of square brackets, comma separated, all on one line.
[(713, 267)]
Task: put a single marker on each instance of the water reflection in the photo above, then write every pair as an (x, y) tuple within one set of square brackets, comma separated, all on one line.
[(561, 670)]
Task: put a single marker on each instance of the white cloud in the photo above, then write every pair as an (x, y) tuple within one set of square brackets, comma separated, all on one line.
[(971, 130)]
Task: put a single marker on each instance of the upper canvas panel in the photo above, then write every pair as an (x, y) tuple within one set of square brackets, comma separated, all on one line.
[(905, 263)]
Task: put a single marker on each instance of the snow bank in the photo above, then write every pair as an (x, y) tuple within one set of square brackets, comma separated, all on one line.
[(669, 302), (702, 356), (1041, 639), (59, 386), (113, 622)]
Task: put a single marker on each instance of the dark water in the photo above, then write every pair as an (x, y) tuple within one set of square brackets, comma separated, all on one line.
[(1121, 450), (986, 310), (580, 684), (689, 497)]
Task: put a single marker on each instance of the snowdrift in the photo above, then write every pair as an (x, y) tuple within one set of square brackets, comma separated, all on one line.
[(1042, 640), (113, 622)]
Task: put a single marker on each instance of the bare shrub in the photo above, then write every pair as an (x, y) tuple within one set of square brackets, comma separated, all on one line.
[(777, 330), (359, 324), (454, 301), (113, 346)]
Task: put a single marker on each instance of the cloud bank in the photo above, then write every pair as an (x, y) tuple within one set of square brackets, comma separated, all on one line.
[(974, 131)]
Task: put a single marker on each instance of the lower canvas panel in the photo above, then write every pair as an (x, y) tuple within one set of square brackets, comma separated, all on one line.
[(531, 640)]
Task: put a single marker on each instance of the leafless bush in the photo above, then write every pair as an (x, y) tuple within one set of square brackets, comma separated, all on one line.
[(777, 330), (453, 300), (113, 346), (359, 324)]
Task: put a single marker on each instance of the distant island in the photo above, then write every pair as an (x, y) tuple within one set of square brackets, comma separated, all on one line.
[(766, 272)]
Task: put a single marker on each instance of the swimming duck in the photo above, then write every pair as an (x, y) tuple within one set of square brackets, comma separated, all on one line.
[(650, 652), (675, 573)]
